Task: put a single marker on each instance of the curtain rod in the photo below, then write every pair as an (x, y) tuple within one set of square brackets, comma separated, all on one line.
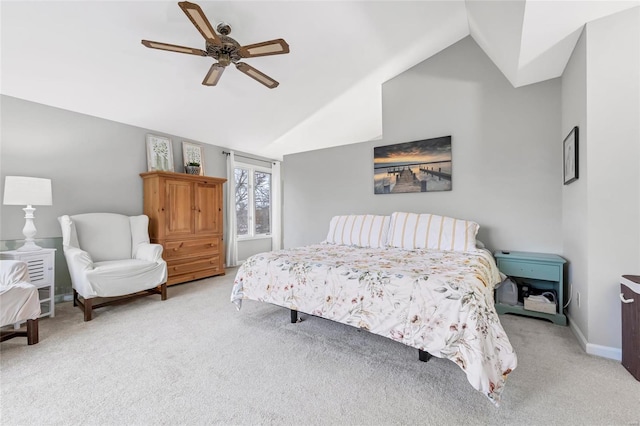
[(250, 158)]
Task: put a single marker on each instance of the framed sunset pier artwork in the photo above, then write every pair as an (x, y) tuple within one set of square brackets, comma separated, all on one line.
[(418, 166)]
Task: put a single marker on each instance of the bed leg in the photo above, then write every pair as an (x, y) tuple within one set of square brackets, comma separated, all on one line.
[(423, 355), (294, 316)]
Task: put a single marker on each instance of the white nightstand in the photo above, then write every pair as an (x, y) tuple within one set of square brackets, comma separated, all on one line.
[(41, 266)]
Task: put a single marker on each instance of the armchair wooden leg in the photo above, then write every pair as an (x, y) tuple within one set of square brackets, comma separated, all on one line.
[(87, 306), (32, 331), (87, 309), (163, 291)]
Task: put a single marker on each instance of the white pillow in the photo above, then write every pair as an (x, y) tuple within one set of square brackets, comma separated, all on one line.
[(359, 230), (430, 231)]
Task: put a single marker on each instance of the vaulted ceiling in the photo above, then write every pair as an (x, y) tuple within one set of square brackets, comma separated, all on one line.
[(87, 57)]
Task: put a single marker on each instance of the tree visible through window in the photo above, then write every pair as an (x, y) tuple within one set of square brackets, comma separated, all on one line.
[(253, 201), (242, 201), (262, 196)]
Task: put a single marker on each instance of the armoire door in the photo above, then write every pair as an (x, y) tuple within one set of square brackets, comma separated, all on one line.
[(179, 208), (208, 208)]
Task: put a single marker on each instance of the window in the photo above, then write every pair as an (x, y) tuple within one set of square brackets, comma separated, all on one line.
[(253, 201)]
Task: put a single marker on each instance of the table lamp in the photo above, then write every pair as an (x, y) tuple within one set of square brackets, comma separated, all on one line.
[(29, 191)]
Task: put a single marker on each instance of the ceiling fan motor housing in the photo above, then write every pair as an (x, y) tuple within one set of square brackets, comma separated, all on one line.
[(226, 52)]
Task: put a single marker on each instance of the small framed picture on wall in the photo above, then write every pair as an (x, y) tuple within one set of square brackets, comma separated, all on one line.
[(570, 163), (159, 153)]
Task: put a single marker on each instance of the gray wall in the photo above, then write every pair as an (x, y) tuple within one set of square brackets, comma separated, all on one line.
[(94, 165), (613, 111), (507, 165), (248, 248), (575, 239), (601, 90)]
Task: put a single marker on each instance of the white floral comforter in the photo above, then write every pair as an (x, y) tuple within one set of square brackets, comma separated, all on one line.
[(437, 301)]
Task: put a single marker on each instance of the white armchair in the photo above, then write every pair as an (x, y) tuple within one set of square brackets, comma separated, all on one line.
[(109, 256), (19, 301)]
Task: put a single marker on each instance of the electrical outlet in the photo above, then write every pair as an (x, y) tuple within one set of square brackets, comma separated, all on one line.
[(578, 298)]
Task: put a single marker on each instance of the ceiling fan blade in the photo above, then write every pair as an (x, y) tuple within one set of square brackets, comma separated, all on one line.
[(198, 18), (271, 47), (214, 74), (257, 75), (174, 48)]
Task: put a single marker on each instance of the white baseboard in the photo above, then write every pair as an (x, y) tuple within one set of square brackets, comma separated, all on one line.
[(593, 349), (578, 333), (604, 351)]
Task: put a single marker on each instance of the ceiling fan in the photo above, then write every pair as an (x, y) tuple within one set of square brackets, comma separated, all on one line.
[(223, 48)]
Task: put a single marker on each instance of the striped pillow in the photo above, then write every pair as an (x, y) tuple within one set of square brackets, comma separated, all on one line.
[(430, 231), (359, 230)]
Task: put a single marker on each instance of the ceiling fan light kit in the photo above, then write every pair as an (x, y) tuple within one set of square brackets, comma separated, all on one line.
[(224, 49)]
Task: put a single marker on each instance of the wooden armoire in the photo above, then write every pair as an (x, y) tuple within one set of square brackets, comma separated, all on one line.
[(185, 216)]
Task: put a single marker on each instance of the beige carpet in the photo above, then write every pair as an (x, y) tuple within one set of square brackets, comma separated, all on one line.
[(194, 359)]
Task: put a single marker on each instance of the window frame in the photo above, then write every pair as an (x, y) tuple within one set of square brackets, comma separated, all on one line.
[(251, 204)]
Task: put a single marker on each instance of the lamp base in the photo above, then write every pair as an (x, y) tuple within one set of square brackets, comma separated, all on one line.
[(29, 230), (29, 246)]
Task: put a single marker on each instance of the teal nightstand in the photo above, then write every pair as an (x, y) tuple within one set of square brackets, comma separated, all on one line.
[(538, 270)]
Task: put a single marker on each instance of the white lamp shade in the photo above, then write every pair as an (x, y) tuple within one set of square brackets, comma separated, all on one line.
[(22, 191)]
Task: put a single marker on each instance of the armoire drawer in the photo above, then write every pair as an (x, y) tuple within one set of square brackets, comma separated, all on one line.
[(193, 268), (188, 248), (184, 266), (195, 275)]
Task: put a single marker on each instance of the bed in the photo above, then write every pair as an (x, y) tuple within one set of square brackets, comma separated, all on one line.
[(389, 278)]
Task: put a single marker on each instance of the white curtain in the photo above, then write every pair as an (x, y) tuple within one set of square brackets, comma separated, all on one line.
[(276, 207), (232, 238)]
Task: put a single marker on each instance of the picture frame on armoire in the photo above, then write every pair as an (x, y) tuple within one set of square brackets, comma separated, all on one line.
[(159, 153), (570, 156), (193, 158)]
